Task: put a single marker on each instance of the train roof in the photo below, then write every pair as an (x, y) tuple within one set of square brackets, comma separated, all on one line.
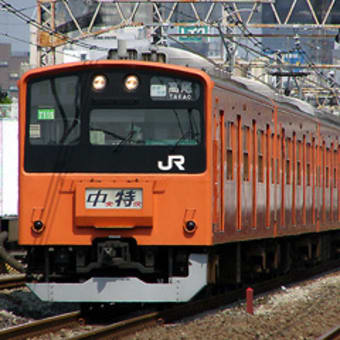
[(297, 104), (268, 92), (255, 86), (182, 57), (178, 56), (286, 101)]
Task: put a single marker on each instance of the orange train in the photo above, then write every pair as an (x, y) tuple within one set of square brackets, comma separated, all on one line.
[(146, 181)]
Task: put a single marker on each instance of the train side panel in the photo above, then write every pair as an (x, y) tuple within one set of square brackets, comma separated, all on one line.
[(279, 169)]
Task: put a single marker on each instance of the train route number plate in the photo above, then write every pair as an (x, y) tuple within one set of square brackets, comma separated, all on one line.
[(127, 198)]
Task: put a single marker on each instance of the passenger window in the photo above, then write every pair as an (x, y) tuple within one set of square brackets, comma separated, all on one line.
[(278, 161), (260, 155), (228, 134), (308, 174), (245, 153), (229, 164), (229, 155), (327, 162), (298, 163), (298, 169), (334, 170), (334, 178), (318, 182), (288, 176), (308, 164), (287, 171)]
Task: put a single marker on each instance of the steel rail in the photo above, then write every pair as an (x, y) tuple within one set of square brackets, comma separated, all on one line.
[(333, 334), (122, 328), (39, 327), (12, 281)]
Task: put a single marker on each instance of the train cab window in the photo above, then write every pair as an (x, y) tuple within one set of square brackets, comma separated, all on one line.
[(54, 114), (110, 126), (94, 111)]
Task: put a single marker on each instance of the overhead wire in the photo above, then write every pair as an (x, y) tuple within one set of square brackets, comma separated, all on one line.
[(9, 36), (49, 30), (332, 88), (298, 48), (244, 28), (33, 22), (213, 23)]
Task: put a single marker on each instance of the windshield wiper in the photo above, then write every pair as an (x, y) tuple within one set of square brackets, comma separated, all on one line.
[(127, 138), (186, 134)]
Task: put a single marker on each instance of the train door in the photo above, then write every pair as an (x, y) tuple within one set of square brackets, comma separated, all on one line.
[(218, 169)]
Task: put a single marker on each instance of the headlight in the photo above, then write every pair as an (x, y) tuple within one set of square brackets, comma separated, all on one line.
[(99, 83), (131, 83)]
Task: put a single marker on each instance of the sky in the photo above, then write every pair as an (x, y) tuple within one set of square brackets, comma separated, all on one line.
[(15, 27)]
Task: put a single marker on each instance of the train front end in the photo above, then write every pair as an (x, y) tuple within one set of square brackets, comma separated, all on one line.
[(115, 191)]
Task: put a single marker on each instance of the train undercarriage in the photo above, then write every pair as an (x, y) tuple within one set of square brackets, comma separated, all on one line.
[(118, 270)]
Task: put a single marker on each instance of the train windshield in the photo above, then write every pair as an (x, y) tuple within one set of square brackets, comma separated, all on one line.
[(145, 126), (55, 111), (112, 121)]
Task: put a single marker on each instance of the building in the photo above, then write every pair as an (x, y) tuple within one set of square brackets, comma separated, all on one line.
[(10, 68)]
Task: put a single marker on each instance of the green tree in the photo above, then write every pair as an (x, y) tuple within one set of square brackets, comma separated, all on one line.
[(4, 99)]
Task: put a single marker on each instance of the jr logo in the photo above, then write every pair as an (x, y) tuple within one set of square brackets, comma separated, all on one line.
[(177, 160)]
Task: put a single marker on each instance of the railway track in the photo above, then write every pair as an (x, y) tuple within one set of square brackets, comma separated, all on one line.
[(12, 281), (333, 334), (128, 326), (40, 327)]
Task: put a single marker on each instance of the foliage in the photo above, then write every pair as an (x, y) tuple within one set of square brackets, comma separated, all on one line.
[(4, 99)]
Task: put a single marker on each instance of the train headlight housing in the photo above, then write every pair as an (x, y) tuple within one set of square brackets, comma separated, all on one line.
[(131, 83), (190, 226), (99, 82), (38, 226)]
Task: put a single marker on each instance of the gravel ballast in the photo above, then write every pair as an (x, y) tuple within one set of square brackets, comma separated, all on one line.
[(303, 311)]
